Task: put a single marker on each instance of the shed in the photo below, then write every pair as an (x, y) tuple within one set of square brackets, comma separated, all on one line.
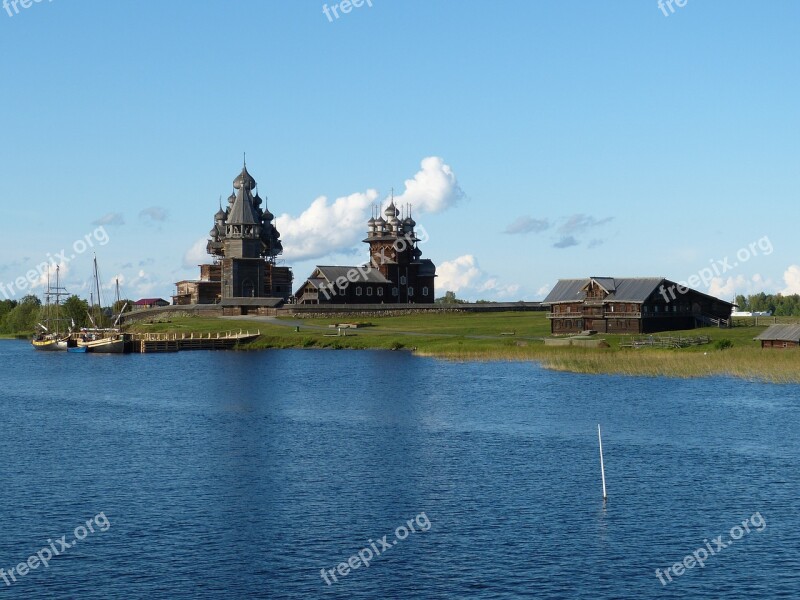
[(780, 336)]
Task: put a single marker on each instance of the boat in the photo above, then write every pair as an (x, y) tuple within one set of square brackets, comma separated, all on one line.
[(101, 339), (49, 338)]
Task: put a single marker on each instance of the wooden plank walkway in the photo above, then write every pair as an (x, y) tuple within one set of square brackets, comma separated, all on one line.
[(175, 342)]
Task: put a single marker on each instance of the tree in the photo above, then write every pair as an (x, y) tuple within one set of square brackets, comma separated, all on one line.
[(119, 305), (22, 319), (449, 298), (77, 310)]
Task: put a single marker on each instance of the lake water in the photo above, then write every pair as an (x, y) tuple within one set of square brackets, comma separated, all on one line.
[(243, 475)]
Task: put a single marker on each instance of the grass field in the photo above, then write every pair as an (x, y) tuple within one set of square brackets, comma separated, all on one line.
[(471, 336)]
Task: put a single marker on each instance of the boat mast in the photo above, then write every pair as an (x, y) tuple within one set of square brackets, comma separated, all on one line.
[(97, 287)]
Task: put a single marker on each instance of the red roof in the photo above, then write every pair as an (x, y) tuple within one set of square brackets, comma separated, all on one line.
[(149, 301)]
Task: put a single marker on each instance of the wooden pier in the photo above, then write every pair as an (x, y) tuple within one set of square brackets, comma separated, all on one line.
[(175, 342)]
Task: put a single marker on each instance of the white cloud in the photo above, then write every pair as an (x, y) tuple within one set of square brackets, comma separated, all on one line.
[(196, 254), (463, 275), (324, 228), (544, 290), (791, 278), (433, 189), (726, 288), (458, 274)]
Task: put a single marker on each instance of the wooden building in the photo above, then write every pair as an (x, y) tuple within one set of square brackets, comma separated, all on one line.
[(780, 336), (245, 244), (395, 274), (631, 305), (150, 303)]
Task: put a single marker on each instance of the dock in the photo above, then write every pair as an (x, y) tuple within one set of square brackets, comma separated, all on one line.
[(175, 342)]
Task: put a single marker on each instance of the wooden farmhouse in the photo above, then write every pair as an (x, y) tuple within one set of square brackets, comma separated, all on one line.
[(631, 305), (780, 336)]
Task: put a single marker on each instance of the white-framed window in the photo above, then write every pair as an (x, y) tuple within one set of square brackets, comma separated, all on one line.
[(395, 291), (380, 291), (358, 291), (369, 290), (403, 280), (425, 291)]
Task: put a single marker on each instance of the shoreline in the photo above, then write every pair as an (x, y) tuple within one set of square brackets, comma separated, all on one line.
[(508, 336)]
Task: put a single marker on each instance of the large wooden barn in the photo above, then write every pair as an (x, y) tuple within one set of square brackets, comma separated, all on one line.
[(631, 305)]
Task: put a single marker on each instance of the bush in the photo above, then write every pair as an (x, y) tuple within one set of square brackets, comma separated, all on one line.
[(723, 344), (397, 346)]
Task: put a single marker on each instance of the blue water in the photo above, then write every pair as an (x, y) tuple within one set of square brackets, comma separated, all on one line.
[(243, 475)]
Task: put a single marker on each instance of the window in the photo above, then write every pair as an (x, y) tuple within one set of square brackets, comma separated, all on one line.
[(411, 291), (425, 291), (403, 280), (369, 291), (394, 291), (358, 291), (380, 291)]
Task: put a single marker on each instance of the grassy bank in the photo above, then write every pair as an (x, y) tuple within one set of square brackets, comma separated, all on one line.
[(515, 336)]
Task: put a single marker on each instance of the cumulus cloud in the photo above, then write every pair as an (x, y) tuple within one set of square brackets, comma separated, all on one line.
[(566, 241), (326, 227), (728, 287), (544, 290), (791, 278), (433, 189), (110, 219), (458, 274), (196, 254), (527, 225), (154, 213), (463, 275)]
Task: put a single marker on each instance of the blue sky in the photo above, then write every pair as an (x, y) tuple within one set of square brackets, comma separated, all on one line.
[(542, 139)]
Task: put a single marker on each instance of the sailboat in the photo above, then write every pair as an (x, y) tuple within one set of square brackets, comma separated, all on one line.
[(101, 338), (49, 337)]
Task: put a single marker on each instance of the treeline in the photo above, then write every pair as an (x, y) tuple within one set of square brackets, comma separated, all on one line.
[(777, 304), (20, 317)]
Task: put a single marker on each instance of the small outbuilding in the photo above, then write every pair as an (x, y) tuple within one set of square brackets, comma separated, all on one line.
[(150, 303), (780, 336)]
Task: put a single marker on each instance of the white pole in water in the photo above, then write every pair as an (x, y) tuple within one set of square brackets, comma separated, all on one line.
[(602, 468)]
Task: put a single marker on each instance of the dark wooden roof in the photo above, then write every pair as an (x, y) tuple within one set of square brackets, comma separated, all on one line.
[(781, 333), (364, 274), (628, 289)]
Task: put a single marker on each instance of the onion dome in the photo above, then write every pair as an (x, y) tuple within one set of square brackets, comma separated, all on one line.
[(391, 211), (257, 201), (244, 180), (231, 198), (395, 223), (213, 233), (409, 222), (416, 253), (380, 224), (220, 216), (268, 216)]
